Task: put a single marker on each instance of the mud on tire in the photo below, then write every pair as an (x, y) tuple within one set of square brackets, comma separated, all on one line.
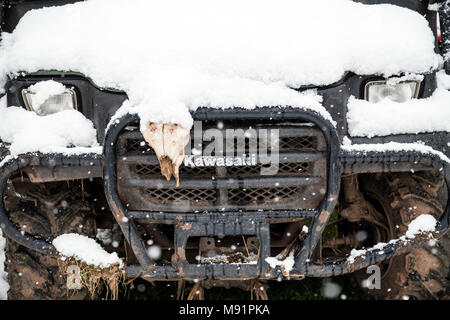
[(51, 209), (424, 273)]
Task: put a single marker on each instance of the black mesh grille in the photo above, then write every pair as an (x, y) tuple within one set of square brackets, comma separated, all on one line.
[(200, 188), (152, 170), (297, 143), (286, 144), (295, 168), (260, 196), (137, 146), (173, 196)]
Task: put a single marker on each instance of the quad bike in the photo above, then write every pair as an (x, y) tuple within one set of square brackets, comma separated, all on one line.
[(219, 226)]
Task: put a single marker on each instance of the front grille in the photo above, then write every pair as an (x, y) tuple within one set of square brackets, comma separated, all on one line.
[(168, 196), (260, 196), (152, 170), (300, 182), (297, 143)]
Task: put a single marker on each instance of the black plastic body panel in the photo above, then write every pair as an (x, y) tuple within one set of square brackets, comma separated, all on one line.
[(416, 5)]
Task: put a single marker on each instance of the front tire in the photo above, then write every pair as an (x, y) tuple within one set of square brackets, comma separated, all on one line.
[(58, 208), (424, 273)]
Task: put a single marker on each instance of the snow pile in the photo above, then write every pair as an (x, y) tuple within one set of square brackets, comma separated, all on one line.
[(389, 117), (4, 287), (85, 249), (287, 264), (355, 253), (173, 56), (407, 77), (28, 132), (421, 224)]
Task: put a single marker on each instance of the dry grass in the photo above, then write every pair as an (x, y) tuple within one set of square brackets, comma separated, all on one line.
[(94, 279)]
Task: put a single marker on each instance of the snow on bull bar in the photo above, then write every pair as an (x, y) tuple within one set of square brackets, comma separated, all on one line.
[(423, 226)]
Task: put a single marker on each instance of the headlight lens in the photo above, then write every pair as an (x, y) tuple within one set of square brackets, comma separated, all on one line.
[(376, 91), (55, 103)]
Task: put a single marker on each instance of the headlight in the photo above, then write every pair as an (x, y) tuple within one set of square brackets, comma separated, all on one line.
[(53, 104), (376, 91)]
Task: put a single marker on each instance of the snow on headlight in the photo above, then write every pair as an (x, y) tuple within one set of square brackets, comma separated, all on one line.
[(48, 97), (376, 91)]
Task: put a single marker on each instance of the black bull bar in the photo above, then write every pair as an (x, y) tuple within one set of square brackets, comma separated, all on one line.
[(229, 223)]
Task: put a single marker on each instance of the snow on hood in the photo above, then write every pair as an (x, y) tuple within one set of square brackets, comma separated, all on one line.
[(172, 56)]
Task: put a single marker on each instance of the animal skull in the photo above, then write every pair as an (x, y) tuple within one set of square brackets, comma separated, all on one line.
[(168, 141)]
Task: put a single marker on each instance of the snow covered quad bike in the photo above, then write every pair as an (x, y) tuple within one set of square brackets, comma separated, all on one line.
[(354, 199)]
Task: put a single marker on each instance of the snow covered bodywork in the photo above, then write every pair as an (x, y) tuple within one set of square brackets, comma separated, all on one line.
[(224, 65)]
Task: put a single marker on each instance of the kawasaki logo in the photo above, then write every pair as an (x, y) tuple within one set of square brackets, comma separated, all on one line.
[(220, 161), (233, 147)]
